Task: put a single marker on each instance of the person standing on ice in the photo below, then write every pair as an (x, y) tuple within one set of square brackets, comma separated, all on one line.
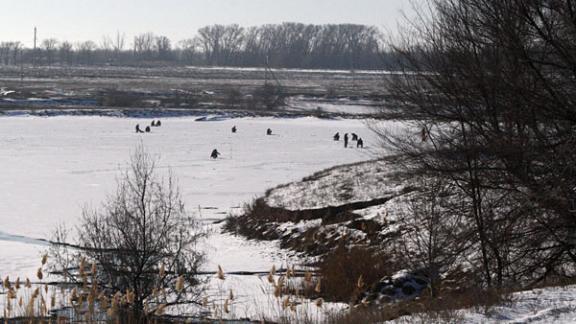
[(234, 129), (346, 140), (337, 136), (360, 143), (138, 130), (268, 131), (215, 154)]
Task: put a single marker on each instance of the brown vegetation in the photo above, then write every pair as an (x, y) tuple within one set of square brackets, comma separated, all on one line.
[(346, 272)]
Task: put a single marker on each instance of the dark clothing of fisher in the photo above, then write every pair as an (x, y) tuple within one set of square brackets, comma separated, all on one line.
[(215, 154), (147, 129), (345, 140), (354, 137), (234, 129), (337, 137), (268, 131), (138, 130), (360, 143)]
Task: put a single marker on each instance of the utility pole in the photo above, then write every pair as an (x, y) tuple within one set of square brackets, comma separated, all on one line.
[(34, 50), (21, 67)]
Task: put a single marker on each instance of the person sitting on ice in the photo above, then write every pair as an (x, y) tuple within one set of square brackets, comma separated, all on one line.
[(360, 143), (215, 154), (354, 137), (234, 129), (153, 124), (337, 136), (268, 131), (158, 123), (147, 129), (138, 130)]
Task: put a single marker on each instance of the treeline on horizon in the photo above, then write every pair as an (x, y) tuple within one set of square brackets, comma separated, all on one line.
[(286, 45)]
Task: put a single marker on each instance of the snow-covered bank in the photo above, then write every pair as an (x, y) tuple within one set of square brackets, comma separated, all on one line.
[(547, 305), (205, 113)]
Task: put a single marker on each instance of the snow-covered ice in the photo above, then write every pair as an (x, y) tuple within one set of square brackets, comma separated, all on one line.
[(52, 167)]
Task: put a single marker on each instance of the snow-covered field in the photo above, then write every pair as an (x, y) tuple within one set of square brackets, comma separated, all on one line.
[(52, 167)]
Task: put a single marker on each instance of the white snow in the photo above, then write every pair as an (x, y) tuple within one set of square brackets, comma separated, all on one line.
[(52, 167), (324, 71), (301, 226), (546, 305), (338, 186)]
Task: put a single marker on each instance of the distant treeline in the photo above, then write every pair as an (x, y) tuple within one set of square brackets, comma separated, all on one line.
[(287, 45)]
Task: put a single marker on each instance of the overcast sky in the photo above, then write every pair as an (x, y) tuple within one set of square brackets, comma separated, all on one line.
[(78, 20)]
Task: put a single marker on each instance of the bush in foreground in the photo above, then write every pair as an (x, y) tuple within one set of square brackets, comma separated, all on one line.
[(137, 253)]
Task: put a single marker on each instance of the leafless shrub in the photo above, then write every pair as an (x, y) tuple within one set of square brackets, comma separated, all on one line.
[(141, 244), (433, 238), (347, 272)]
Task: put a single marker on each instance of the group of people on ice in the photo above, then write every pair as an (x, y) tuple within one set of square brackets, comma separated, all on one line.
[(215, 154), (347, 137), (235, 129), (355, 137), (154, 123)]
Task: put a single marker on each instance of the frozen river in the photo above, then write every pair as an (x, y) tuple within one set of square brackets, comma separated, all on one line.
[(50, 168)]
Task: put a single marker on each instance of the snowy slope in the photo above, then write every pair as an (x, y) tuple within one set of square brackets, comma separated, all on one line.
[(338, 186), (547, 305)]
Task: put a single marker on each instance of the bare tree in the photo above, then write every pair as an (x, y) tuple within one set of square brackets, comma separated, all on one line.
[(433, 235), (142, 243), (489, 88), (163, 47), (107, 48), (119, 42), (66, 52), (189, 50), (144, 45), (106, 44), (118, 46), (211, 39), (9, 52), (49, 46), (86, 52)]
